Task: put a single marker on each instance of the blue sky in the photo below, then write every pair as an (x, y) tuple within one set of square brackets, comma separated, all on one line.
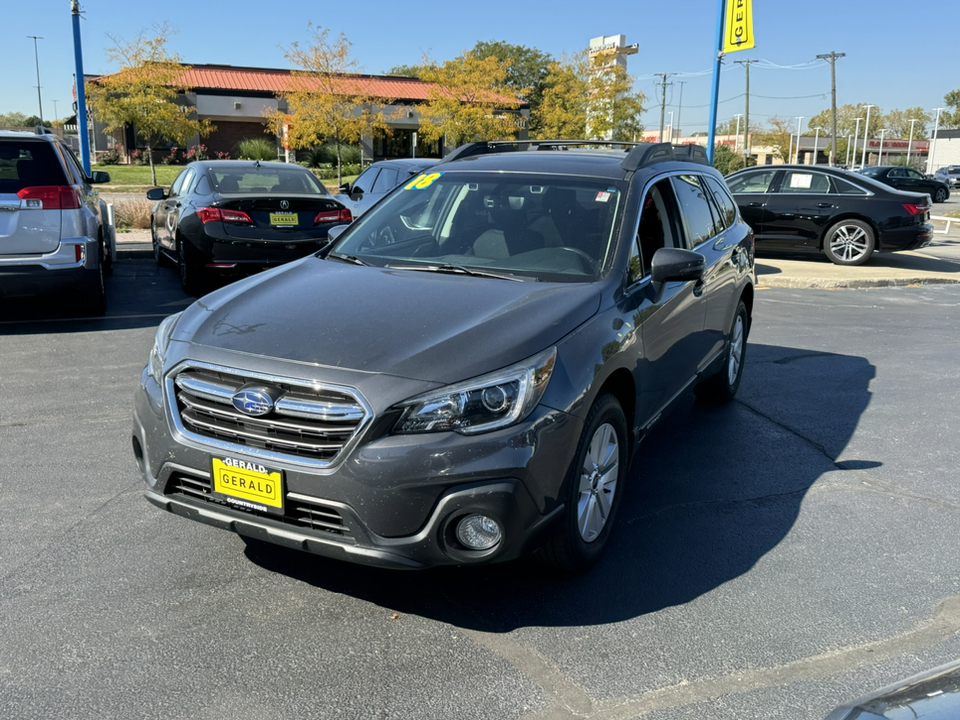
[(897, 55)]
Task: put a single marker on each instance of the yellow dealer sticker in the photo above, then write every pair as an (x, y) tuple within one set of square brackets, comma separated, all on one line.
[(422, 183), (248, 484)]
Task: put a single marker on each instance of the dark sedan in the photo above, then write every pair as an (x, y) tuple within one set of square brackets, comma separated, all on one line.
[(230, 216), (906, 178), (845, 215)]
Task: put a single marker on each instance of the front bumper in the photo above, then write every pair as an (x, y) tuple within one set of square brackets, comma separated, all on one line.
[(392, 502)]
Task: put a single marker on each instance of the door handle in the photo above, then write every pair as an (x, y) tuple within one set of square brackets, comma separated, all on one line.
[(755, 204), (824, 205)]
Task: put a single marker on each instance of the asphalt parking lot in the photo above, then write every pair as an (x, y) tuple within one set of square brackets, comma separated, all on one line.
[(776, 556)]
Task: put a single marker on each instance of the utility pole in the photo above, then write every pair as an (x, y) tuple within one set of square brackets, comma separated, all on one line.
[(663, 102), (36, 53), (866, 134), (680, 106), (832, 57), (799, 118), (746, 112)]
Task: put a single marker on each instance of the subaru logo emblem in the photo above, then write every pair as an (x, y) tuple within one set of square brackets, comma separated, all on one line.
[(253, 401), (285, 204)]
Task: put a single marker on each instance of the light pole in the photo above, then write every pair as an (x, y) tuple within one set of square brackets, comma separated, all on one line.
[(816, 143), (736, 142), (847, 161), (856, 134), (880, 156), (910, 144), (799, 118), (933, 145), (36, 53), (866, 134), (671, 127)]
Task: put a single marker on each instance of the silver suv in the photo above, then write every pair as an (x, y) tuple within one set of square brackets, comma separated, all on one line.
[(54, 230)]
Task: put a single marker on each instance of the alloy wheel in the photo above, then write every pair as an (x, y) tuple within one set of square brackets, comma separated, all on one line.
[(598, 482)]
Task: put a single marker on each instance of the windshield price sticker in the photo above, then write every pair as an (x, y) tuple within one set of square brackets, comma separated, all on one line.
[(422, 183)]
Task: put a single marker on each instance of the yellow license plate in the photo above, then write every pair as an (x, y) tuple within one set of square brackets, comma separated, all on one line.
[(284, 219), (248, 484)]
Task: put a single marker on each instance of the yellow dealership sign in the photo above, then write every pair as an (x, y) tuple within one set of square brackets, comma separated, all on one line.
[(738, 33)]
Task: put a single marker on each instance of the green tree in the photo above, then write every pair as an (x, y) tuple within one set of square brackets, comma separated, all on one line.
[(527, 70), (324, 102), (776, 136), (144, 93), (726, 160), (13, 120), (584, 100), (469, 99), (951, 118), (730, 127), (405, 71)]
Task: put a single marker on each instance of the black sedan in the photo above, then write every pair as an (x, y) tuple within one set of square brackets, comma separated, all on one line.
[(845, 215), (906, 178), (235, 216)]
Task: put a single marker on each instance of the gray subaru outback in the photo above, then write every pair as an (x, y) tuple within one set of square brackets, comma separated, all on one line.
[(55, 235), (463, 374)]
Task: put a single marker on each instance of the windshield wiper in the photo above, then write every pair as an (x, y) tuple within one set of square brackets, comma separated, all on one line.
[(348, 258), (460, 270)]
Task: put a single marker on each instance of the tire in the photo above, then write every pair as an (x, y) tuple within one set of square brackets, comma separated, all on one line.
[(940, 195), (593, 490), (722, 386), (159, 256), (192, 276), (106, 257), (849, 242)]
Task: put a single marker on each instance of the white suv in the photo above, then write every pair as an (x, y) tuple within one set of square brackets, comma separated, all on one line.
[(54, 228)]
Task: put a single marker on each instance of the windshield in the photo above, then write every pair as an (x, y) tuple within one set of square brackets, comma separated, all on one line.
[(550, 228)]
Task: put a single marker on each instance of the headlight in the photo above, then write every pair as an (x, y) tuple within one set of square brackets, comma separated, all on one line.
[(485, 403), (160, 342)]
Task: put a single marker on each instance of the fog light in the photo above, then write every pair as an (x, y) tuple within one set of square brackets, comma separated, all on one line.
[(478, 532)]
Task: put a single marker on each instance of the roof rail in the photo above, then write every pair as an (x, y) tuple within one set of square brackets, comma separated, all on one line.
[(41, 130), (639, 154)]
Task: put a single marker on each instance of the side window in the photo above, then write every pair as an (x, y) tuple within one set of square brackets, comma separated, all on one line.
[(845, 188), (805, 183), (898, 173), (203, 185), (911, 173), (188, 177), (366, 180), (387, 180), (751, 182), (178, 183), (658, 227), (73, 165), (728, 208), (695, 209)]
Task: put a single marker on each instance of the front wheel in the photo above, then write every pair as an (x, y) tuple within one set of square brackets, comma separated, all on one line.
[(723, 385), (594, 489), (158, 255), (849, 242), (940, 195)]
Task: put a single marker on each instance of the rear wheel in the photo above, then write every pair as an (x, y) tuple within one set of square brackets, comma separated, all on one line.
[(94, 300), (722, 386), (594, 488), (849, 242), (192, 276)]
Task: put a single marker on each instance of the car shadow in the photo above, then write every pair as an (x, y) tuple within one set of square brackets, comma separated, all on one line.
[(711, 491)]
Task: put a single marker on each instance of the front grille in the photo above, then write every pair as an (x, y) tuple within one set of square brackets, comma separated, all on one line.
[(308, 423), (299, 513)]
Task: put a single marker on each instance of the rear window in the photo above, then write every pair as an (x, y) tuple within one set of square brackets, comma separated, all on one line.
[(28, 164), (266, 180)]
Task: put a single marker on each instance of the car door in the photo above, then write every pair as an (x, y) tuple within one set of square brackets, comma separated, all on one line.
[(801, 204), (671, 325), (172, 206), (360, 188), (750, 191)]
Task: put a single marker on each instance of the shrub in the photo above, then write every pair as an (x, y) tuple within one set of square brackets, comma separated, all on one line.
[(256, 149), (139, 157), (175, 157), (110, 157), (197, 152)]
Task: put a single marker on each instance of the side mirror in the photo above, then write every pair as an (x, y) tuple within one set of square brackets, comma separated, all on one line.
[(345, 188), (356, 193), (335, 232), (99, 177), (156, 194), (675, 265)]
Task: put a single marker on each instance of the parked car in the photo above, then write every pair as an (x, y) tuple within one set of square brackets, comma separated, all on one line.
[(932, 694), (906, 178), (464, 375), (949, 175), (845, 215), (379, 179), (230, 216), (55, 232)]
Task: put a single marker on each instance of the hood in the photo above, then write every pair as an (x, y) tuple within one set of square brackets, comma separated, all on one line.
[(421, 325)]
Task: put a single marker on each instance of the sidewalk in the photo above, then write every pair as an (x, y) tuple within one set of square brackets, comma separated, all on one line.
[(883, 270)]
